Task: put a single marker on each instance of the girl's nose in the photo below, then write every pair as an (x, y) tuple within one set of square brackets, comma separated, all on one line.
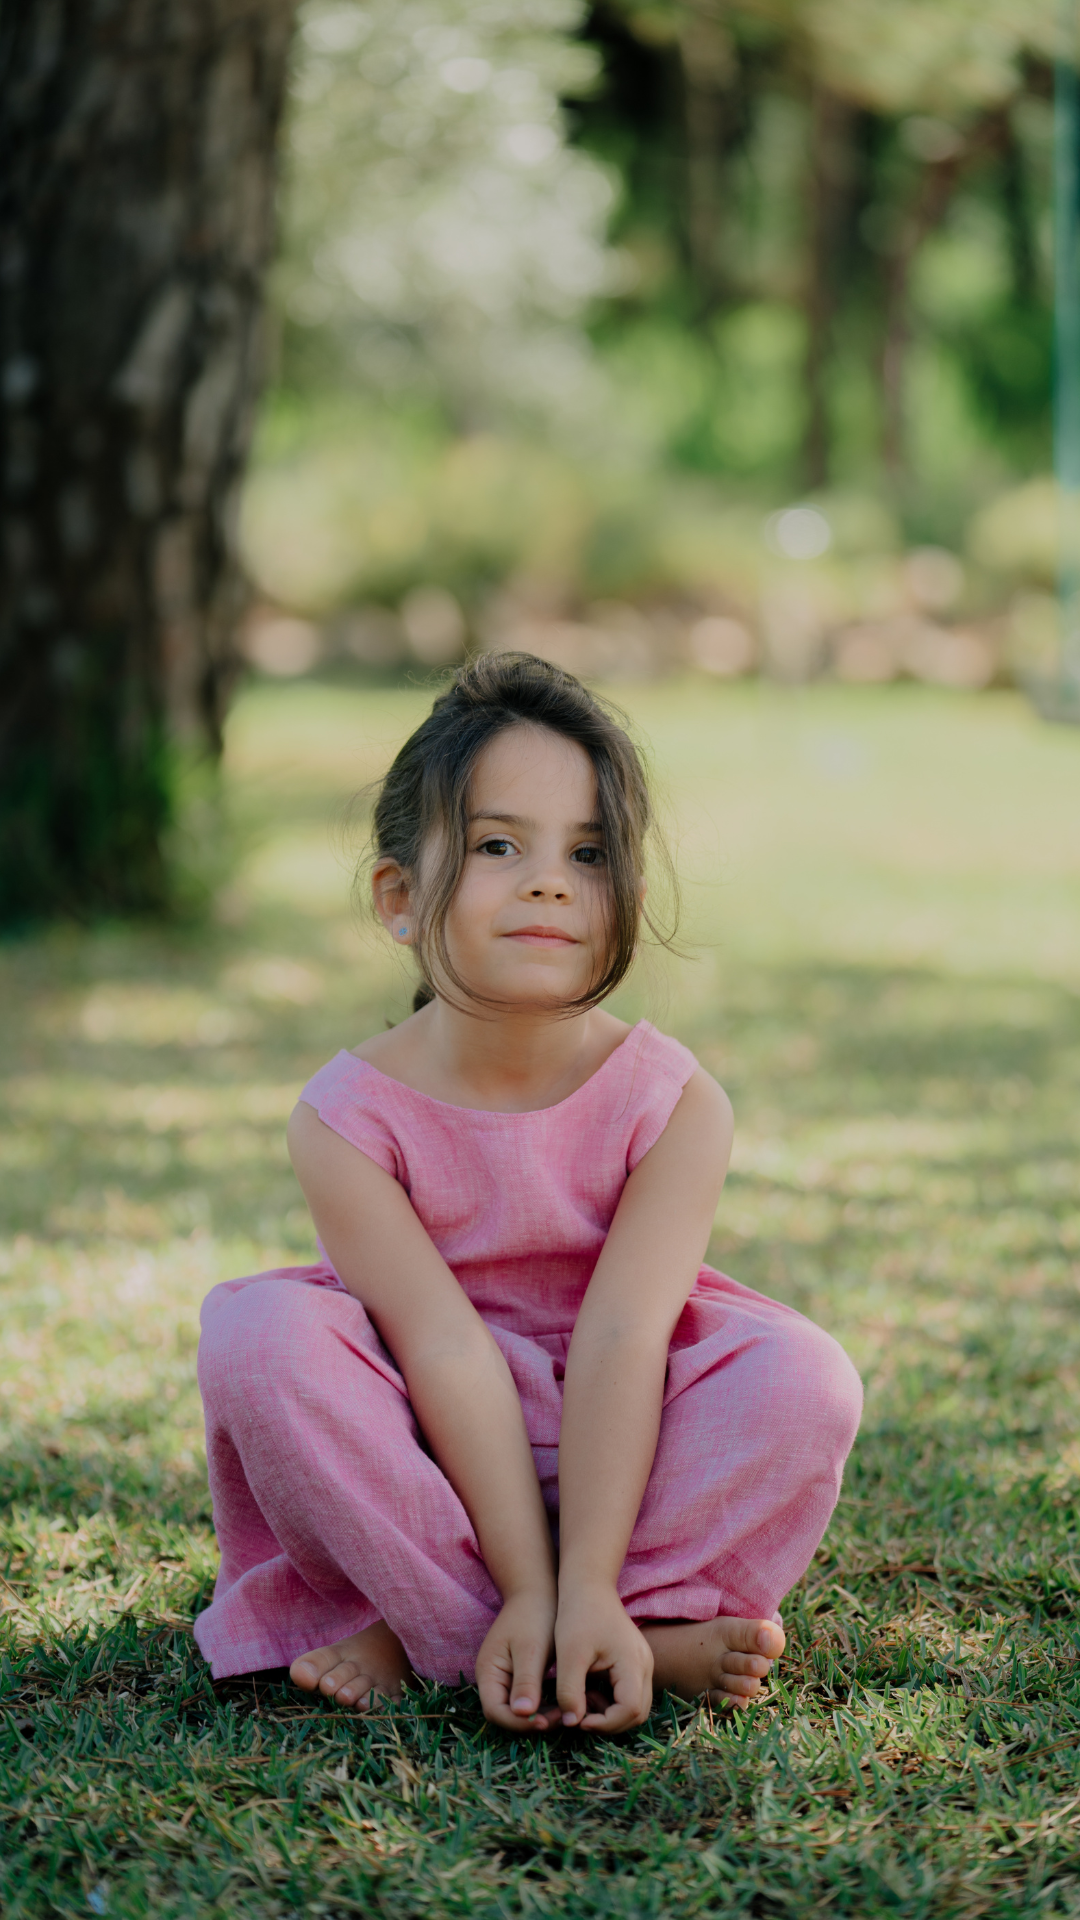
[(547, 882)]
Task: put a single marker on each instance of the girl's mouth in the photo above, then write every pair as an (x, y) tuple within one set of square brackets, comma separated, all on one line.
[(542, 937)]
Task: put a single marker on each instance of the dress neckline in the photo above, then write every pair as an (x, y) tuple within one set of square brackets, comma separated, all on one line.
[(498, 1113)]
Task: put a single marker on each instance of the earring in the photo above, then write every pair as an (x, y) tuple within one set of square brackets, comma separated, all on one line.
[(402, 932)]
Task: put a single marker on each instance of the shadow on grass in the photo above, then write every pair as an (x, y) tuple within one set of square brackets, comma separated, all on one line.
[(68, 1481), (895, 1029), (806, 1043)]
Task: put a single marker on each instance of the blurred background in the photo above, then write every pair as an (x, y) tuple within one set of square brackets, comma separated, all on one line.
[(654, 335), (705, 349)]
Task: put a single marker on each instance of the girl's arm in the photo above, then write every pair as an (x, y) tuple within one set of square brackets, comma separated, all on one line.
[(613, 1391), (460, 1388)]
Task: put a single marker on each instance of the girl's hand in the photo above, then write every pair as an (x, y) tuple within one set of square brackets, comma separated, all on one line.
[(595, 1634), (511, 1664)]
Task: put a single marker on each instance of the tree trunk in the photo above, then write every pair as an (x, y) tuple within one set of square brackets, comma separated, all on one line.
[(708, 65), (936, 186), (1020, 224), (137, 142), (830, 185)]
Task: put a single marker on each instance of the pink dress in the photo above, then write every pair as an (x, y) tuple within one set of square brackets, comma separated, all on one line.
[(330, 1512)]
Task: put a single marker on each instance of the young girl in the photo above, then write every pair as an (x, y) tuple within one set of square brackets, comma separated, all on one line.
[(510, 1418)]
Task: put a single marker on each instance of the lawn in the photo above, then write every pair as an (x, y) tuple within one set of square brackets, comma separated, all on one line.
[(882, 898)]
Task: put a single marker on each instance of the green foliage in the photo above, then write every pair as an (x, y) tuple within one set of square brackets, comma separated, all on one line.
[(728, 403), (900, 55), (893, 1009), (1007, 361), (440, 239), (939, 147), (597, 254)]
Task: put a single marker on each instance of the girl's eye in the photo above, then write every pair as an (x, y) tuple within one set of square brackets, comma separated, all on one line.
[(499, 848), (588, 856)]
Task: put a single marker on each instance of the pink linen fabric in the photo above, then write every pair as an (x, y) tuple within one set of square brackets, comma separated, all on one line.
[(330, 1512)]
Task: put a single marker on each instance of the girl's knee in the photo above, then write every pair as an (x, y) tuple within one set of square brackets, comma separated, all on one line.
[(826, 1385), (256, 1333)]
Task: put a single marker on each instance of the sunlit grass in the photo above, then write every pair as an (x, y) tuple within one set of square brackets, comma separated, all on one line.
[(883, 894)]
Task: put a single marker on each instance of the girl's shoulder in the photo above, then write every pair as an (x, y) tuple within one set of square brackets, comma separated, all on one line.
[(644, 1060), (654, 1068), (345, 1094), (611, 1119), (663, 1054)]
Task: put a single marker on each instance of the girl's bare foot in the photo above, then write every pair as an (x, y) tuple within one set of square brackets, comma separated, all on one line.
[(727, 1659), (353, 1671)]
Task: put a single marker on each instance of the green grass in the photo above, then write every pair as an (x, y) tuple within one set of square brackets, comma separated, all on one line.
[(883, 891)]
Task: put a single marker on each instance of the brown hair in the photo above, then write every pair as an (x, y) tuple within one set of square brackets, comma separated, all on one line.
[(426, 791)]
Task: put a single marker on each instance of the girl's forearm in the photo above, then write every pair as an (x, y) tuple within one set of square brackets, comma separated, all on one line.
[(469, 1410), (612, 1399), (616, 1366), (458, 1382)]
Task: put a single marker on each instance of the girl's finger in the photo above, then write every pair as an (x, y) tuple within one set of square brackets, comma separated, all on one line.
[(516, 1723), (570, 1687), (494, 1675), (615, 1719), (630, 1707), (526, 1688), (495, 1686), (493, 1691)]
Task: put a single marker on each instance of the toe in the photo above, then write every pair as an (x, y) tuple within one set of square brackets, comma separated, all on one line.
[(727, 1702), (754, 1636), (350, 1684), (742, 1686), (308, 1671), (352, 1692), (748, 1663), (340, 1676)]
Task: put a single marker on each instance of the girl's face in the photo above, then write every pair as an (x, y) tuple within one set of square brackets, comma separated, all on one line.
[(528, 924)]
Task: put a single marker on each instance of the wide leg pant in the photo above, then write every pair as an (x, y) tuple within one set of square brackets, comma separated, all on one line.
[(330, 1513)]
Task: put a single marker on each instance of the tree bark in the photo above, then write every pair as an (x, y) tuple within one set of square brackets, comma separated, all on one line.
[(936, 186), (1019, 220), (830, 179), (137, 142), (708, 65)]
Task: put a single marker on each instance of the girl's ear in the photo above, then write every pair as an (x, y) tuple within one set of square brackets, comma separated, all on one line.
[(390, 892)]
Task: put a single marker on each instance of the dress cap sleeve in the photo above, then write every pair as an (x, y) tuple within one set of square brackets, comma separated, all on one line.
[(662, 1068), (343, 1095)]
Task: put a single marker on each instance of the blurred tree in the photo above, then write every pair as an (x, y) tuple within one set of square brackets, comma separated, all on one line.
[(768, 242), (707, 58), (830, 196), (900, 103), (440, 238), (137, 144), (942, 155)]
